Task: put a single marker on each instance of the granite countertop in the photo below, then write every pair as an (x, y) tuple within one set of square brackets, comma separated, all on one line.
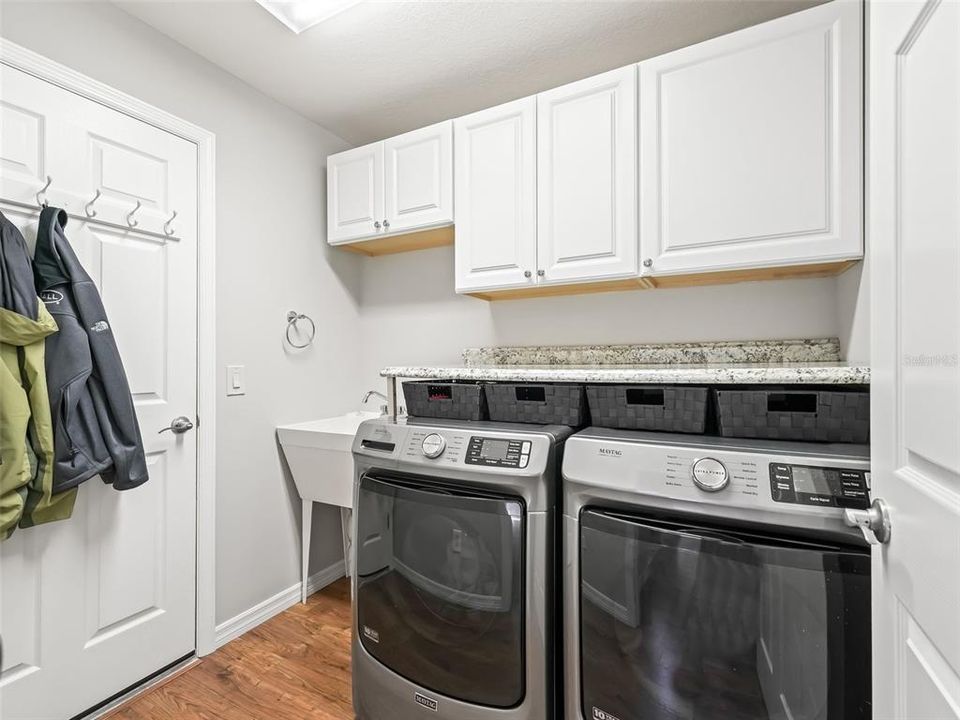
[(747, 362), (826, 373)]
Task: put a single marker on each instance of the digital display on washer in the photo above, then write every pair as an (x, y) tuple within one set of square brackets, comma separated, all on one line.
[(498, 452), (494, 449)]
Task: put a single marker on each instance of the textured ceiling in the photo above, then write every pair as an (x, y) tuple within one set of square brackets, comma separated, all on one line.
[(384, 67)]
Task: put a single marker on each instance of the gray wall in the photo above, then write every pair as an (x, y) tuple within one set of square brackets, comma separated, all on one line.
[(271, 256), (410, 313)]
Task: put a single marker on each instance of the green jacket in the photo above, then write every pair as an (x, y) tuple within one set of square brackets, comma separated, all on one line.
[(26, 433)]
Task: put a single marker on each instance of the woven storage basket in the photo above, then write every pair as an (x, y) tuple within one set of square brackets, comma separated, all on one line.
[(541, 403), (679, 408), (446, 400), (781, 414)]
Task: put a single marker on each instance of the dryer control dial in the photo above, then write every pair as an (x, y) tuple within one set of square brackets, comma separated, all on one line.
[(433, 445), (710, 475)]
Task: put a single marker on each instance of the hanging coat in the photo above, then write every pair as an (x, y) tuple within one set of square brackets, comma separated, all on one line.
[(27, 496), (95, 424)]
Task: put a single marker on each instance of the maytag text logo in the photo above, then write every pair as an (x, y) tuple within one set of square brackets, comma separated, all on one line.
[(611, 452), (424, 701)]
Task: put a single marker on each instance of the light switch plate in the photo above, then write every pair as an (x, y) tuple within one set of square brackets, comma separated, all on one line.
[(236, 384)]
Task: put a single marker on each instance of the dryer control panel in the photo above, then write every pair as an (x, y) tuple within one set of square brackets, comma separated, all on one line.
[(498, 452), (823, 486)]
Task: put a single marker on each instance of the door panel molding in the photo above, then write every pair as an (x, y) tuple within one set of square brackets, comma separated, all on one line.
[(61, 76)]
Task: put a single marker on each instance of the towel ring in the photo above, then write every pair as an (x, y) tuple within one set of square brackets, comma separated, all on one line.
[(292, 317)]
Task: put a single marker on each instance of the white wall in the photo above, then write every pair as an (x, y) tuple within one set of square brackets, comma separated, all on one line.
[(410, 313), (271, 257)]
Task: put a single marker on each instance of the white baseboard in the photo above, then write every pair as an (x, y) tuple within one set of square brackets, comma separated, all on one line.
[(249, 619)]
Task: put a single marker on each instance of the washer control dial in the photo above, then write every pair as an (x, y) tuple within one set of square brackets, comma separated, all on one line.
[(710, 475), (433, 445)]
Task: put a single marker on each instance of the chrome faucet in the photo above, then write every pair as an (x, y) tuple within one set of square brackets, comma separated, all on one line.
[(384, 408)]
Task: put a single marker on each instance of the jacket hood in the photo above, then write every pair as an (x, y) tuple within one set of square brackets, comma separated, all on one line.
[(19, 330)]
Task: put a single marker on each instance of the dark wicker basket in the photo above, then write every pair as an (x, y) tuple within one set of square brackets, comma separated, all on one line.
[(541, 403), (788, 414), (447, 400), (681, 408)]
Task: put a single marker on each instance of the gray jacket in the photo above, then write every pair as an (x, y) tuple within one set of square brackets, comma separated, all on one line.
[(95, 424)]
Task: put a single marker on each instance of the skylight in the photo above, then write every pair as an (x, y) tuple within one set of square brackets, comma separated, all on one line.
[(299, 15)]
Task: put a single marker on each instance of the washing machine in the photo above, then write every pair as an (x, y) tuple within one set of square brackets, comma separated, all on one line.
[(455, 552), (715, 579)]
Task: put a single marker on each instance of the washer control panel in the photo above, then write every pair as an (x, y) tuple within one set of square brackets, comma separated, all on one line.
[(498, 452), (823, 486), (710, 475)]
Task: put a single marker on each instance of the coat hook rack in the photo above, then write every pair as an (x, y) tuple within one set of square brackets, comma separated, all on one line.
[(130, 219), (167, 228), (88, 208), (42, 202)]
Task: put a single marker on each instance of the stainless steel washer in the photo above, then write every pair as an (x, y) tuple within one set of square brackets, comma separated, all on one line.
[(710, 579), (454, 528)]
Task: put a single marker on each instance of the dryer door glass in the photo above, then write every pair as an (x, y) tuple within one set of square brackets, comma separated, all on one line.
[(680, 621), (440, 596)]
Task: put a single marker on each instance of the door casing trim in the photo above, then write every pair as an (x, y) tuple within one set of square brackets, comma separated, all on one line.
[(32, 63)]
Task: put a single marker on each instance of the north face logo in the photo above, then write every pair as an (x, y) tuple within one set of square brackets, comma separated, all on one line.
[(51, 297), (100, 327)]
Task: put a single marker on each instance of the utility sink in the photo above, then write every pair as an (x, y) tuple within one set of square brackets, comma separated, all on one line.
[(318, 453)]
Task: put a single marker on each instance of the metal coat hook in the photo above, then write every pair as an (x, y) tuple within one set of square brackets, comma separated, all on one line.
[(43, 191), (292, 317), (167, 230), (130, 220), (88, 208)]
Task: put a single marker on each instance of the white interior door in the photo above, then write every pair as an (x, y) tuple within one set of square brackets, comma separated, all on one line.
[(418, 178), (750, 146), (914, 246), (587, 179), (355, 193), (496, 195), (94, 604)]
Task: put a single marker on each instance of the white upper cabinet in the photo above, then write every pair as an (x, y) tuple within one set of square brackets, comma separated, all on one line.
[(587, 179), (496, 197), (418, 178), (751, 147), (355, 193)]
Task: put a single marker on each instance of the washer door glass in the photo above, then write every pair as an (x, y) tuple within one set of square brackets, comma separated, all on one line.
[(440, 587), (685, 622)]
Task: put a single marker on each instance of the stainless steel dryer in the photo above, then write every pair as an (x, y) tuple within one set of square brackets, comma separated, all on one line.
[(715, 579), (454, 530)]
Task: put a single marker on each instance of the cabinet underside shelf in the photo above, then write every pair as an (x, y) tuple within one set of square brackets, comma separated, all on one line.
[(816, 270), (406, 242)]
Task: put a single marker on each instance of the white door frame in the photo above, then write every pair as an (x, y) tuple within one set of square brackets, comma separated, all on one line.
[(41, 67)]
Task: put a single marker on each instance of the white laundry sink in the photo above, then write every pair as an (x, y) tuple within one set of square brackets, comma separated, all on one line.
[(318, 453)]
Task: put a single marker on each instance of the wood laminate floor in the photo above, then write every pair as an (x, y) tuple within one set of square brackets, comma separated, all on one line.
[(294, 666)]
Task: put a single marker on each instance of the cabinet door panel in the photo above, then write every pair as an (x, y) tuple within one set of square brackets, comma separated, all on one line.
[(750, 146), (418, 178), (496, 186), (587, 159), (354, 193)]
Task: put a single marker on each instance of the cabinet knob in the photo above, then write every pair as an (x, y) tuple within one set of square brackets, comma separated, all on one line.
[(648, 262), (386, 224), (377, 224), (540, 273), (527, 273)]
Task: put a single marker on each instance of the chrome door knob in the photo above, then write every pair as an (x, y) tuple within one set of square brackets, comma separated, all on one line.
[(179, 425), (874, 522), (648, 262), (386, 224), (710, 475), (527, 273), (541, 273), (376, 224)]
